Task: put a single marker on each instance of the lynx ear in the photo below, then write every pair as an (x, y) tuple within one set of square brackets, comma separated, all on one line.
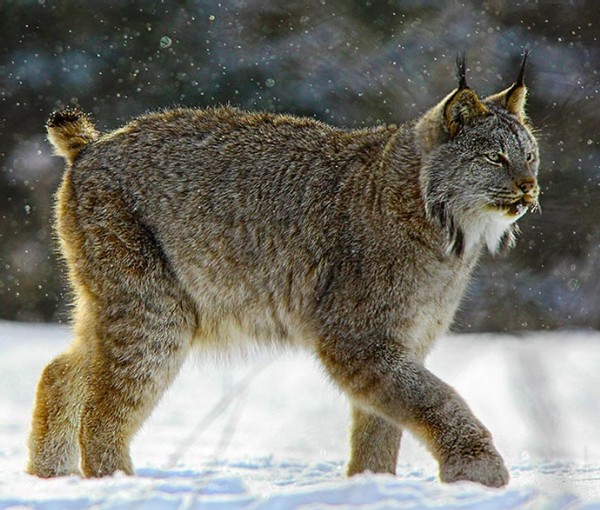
[(447, 119), (461, 109), (463, 105), (514, 97)]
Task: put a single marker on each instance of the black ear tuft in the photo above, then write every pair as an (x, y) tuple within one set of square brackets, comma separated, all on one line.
[(521, 78), (461, 71)]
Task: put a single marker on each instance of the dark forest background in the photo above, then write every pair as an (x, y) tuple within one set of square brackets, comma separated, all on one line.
[(349, 63)]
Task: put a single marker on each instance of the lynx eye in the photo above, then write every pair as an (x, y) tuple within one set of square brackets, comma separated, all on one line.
[(495, 157)]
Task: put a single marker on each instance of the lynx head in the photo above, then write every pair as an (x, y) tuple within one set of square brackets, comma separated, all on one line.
[(479, 164)]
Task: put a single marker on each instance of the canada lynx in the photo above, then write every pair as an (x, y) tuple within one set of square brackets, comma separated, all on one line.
[(187, 228)]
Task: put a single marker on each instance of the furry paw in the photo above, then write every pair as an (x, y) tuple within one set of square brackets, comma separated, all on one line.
[(48, 470), (487, 468)]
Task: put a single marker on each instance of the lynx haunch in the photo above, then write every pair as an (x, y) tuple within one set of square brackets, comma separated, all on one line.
[(190, 228)]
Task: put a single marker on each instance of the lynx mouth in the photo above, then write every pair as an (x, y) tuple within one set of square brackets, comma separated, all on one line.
[(518, 208)]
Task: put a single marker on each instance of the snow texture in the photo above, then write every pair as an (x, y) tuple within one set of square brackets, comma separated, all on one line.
[(271, 433)]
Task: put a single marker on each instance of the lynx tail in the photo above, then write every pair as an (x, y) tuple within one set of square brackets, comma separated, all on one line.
[(70, 131)]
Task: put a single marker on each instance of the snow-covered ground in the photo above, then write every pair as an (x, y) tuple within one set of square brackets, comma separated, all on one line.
[(272, 433)]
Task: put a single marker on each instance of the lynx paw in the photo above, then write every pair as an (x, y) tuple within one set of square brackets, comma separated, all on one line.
[(487, 469), (50, 472)]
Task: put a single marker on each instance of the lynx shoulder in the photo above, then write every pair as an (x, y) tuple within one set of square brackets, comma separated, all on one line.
[(194, 228)]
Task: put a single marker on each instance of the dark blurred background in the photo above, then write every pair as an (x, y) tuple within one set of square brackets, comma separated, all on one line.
[(349, 63)]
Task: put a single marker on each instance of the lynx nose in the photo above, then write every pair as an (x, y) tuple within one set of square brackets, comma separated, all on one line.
[(528, 185)]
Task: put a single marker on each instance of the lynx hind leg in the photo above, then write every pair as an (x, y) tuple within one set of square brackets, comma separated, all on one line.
[(136, 320), (142, 335), (53, 441), (374, 444)]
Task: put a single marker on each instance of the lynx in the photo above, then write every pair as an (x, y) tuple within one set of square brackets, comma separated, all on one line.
[(190, 228)]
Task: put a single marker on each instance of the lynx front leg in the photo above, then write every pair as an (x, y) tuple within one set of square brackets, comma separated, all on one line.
[(374, 442), (381, 378)]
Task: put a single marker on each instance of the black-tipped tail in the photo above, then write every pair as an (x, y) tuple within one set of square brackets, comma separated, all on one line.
[(69, 131), (62, 117)]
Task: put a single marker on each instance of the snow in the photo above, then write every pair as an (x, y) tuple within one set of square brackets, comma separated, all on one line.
[(271, 433)]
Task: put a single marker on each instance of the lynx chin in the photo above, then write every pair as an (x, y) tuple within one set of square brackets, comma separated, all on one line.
[(189, 229)]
